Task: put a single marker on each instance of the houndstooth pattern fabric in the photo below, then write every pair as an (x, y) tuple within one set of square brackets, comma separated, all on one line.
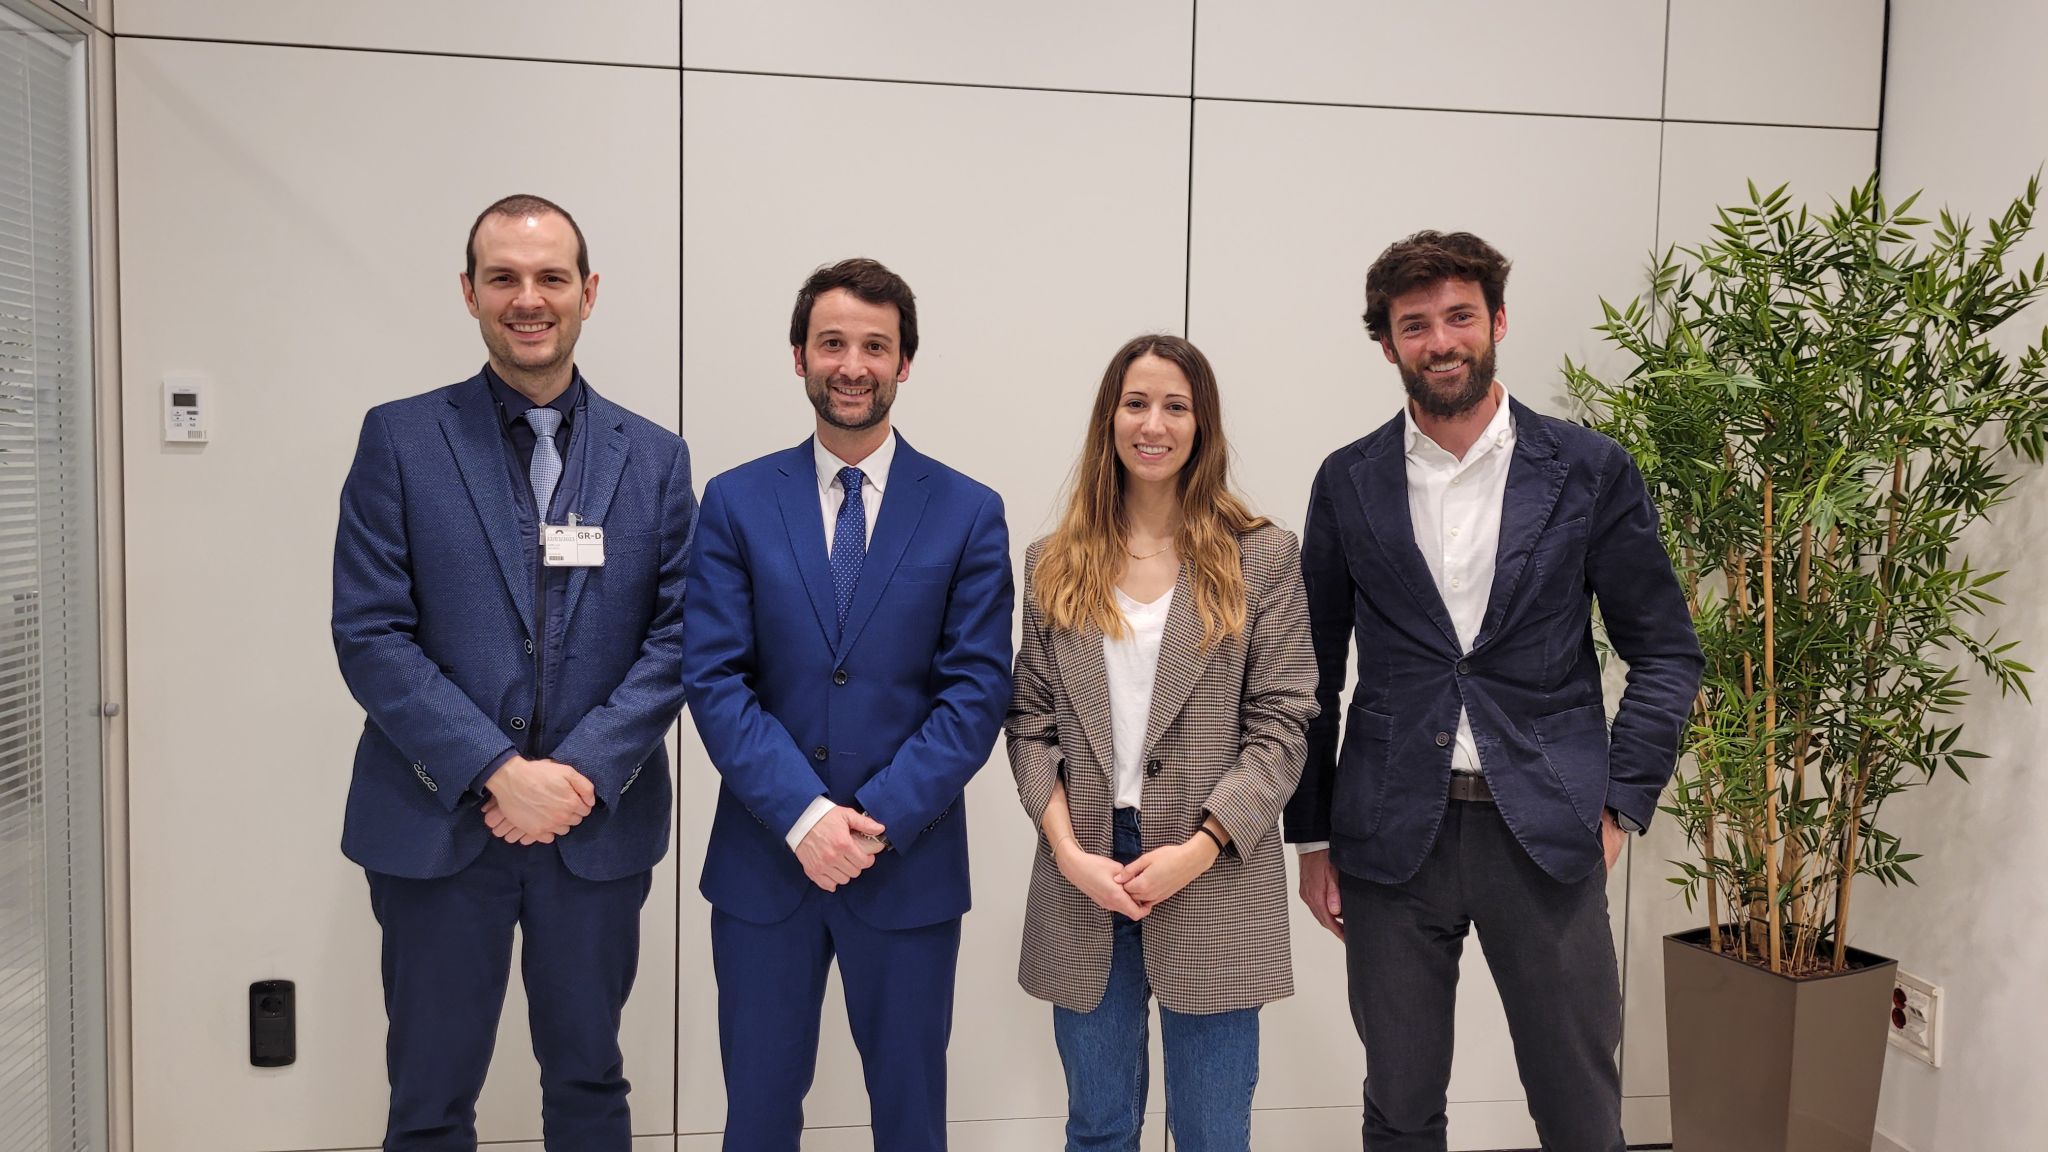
[(1225, 737), (546, 469), (849, 542)]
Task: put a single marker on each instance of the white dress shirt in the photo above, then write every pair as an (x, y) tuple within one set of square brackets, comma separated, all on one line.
[(1454, 506), (1133, 667), (874, 473)]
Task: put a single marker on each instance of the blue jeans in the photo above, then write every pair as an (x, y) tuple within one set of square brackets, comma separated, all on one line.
[(1212, 1061)]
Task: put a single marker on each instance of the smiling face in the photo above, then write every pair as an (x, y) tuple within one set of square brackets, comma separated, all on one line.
[(1155, 421), (851, 362), (1442, 340), (527, 296)]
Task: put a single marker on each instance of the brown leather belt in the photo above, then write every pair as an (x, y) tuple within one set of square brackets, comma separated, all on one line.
[(1471, 786)]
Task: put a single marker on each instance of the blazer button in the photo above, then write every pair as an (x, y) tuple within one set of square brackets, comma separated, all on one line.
[(529, 647), (839, 675), (519, 723), (1154, 768), (1464, 667), (1443, 739), (819, 752)]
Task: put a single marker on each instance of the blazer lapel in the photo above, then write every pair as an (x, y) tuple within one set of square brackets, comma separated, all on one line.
[(471, 426), (1535, 478), (903, 504), (1381, 483), (1181, 661), (804, 520), (1085, 676), (604, 463)]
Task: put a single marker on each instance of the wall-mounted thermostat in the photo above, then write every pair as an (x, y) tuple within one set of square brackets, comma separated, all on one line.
[(186, 412)]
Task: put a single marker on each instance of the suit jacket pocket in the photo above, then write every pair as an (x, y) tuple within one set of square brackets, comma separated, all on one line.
[(1361, 785), (1574, 744), (922, 573)]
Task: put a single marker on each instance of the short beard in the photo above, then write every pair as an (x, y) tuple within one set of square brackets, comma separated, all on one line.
[(819, 388), (1478, 385)]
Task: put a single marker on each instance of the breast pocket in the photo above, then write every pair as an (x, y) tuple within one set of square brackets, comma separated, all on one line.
[(629, 543), (632, 564), (922, 574)]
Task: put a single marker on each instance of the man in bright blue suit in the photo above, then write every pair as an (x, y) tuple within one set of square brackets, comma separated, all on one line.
[(508, 609), (848, 666)]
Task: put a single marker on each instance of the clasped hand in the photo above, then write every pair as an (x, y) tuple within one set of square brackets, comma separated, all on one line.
[(841, 845), (1132, 890), (534, 801)]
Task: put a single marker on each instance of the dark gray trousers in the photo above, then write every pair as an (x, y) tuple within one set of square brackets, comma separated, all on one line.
[(1552, 955)]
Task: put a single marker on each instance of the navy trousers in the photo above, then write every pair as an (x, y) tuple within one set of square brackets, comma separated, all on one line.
[(447, 958), (1551, 950), (771, 993)]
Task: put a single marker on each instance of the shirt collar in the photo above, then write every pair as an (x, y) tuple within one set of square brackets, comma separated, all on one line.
[(512, 405), (1499, 433), (875, 469)]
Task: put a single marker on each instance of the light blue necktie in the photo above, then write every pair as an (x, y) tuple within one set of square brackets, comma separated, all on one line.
[(546, 469), (849, 542)]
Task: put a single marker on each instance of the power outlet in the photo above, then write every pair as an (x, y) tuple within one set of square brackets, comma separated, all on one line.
[(1916, 1018)]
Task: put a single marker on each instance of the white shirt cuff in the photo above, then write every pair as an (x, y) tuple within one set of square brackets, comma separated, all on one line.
[(1307, 846), (808, 820)]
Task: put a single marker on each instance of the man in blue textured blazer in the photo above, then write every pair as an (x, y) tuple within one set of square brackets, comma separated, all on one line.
[(508, 609), (848, 665), (1461, 548)]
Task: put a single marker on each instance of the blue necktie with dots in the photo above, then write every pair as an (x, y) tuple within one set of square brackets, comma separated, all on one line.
[(545, 470), (849, 542)]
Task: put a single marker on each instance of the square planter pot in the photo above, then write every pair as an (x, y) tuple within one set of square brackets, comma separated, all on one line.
[(1765, 1063)]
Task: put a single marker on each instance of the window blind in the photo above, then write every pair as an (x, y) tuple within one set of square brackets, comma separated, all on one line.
[(52, 999)]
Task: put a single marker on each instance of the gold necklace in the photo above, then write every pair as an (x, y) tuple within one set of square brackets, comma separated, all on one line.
[(1148, 555)]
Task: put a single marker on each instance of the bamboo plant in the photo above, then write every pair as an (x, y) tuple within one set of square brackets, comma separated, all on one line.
[(1821, 411)]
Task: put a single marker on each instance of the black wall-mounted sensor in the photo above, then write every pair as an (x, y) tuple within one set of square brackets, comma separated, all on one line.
[(273, 1023)]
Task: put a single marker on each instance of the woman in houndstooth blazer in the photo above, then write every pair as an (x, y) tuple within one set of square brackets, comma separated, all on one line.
[(1163, 686)]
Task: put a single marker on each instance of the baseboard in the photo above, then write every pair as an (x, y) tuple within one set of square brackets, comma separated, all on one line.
[(1476, 1126)]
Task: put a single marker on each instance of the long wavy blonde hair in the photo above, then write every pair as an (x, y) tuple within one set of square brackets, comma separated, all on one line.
[(1084, 557)]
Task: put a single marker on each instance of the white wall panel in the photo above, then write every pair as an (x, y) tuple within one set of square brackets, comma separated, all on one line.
[(1811, 62), (1709, 166), (1966, 119), (612, 32), (1581, 57), (1291, 205), (1128, 46), (1040, 231), (303, 250)]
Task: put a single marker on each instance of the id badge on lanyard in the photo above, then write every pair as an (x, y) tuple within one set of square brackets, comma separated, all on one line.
[(575, 544), (572, 545)]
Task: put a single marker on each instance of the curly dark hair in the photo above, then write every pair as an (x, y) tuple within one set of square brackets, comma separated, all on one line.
[(1428, 258)]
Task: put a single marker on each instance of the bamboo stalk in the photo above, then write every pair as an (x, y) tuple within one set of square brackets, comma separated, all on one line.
[(1863, 753), (1712, 832), (1795, 851), (1699, 708), (1752, 833), (1771, 741)]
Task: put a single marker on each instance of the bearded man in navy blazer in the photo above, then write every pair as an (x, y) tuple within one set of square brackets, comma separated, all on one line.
[(848, 667), (511, 768), (1461, 548)]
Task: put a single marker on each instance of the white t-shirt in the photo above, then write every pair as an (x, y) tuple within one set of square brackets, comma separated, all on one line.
[(1133, 666)]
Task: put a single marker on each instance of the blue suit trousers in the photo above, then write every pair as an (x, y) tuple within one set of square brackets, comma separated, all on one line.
[(771, 992), (447, 959)]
